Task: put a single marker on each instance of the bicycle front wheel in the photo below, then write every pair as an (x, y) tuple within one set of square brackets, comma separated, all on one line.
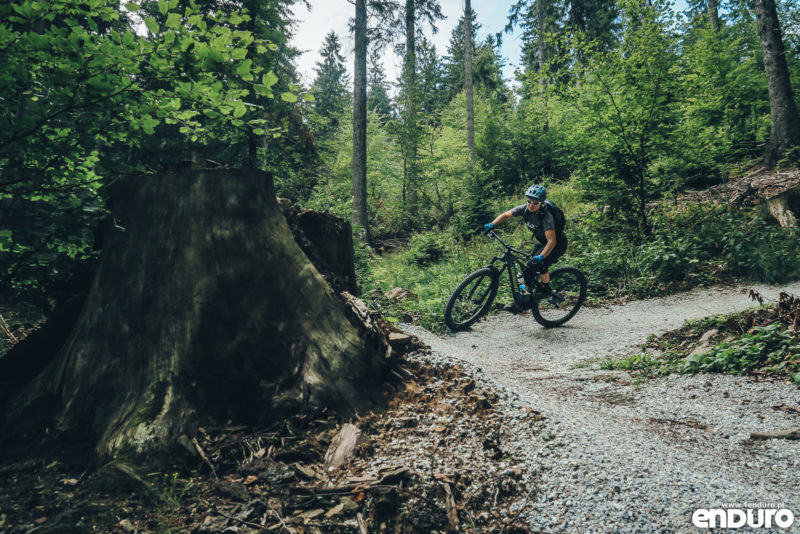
[(569, 291), (471, 299)]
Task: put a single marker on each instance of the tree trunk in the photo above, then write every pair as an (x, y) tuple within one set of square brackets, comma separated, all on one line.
[(542, 63), (360, 217), (468, 78), (410, 76), (785, 124), (713, 14), (203, 310)]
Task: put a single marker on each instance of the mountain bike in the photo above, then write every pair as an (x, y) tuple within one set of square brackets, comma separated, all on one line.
[(475, 294)]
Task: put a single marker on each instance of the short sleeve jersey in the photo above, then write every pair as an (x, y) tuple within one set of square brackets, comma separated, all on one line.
[(538, 223)]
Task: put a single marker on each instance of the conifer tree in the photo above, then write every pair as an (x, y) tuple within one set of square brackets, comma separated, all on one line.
[(414, 10), (455, 60), (330, 85), (378, 98)]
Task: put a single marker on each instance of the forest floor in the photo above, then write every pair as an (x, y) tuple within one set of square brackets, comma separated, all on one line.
[(505, 428), (436, 459)]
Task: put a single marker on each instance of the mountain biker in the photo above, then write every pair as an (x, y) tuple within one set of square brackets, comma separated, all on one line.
[(551, 240)]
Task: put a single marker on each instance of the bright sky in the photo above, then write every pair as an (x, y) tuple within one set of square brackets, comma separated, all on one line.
[(327, 15)]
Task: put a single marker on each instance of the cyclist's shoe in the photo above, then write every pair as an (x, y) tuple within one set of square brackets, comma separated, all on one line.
[(542, 292)]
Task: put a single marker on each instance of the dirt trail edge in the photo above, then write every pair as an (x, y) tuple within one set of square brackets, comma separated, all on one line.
[(621, 456)]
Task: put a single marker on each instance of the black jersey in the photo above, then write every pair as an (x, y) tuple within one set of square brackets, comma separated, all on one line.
[(539, 222)]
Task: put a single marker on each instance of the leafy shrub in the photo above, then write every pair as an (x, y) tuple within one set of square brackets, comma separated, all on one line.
[(769, 346), (474, 209), (425, 249), (693, 245)]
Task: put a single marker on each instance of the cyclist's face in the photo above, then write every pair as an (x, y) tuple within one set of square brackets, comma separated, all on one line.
[(534, 204)]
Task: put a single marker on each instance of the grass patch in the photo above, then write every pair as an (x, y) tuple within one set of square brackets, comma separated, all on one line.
[(644, 364), (753, 342)]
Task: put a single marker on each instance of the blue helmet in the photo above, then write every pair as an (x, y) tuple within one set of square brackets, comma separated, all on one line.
[(537, 191)]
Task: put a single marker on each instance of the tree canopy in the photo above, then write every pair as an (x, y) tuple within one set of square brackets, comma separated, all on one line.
[(629, 100)]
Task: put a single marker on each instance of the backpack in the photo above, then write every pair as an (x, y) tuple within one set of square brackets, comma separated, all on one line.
[(558, 215)]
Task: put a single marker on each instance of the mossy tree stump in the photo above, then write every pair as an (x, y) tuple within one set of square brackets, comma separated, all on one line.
[(203, 309)]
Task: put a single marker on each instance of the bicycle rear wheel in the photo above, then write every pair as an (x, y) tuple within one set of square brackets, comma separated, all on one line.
[(569, 291), (471, 299)]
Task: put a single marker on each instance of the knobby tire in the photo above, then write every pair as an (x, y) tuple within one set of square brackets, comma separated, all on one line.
[(472, 298), (573, 288)]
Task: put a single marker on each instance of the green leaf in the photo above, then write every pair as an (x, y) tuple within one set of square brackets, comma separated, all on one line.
[(239, 53), (243, 69), (269, 79), (152, 25), (289, 97), (239, 109), (173, 20), (130, 6), (149, 124), (163, 7), (308, 97)]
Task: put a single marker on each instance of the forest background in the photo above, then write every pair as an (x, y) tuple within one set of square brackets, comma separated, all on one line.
[(618, 108)]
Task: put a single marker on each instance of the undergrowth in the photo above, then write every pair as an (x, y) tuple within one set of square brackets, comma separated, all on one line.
[(754, 342), (689, 246)]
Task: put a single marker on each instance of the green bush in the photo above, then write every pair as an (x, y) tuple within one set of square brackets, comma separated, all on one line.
[(425, 249), (693, 245), (769, 347)]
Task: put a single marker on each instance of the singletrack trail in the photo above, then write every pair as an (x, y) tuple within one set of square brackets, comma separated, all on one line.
[(621, 455)]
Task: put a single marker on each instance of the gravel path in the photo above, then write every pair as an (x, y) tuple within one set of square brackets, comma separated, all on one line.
[(619, 456)]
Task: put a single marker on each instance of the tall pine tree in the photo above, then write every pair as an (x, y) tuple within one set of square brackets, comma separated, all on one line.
[(378, 98), (330, 85)]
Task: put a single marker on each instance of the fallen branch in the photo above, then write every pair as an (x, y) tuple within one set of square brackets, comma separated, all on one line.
[(276, 514), (362, 526), (7, 330), (780, 434), (204, 457), (243, 521)]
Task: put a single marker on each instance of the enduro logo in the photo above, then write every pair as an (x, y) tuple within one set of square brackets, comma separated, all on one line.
[(739, 517)]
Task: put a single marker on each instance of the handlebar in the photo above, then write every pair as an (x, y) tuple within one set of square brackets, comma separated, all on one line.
[(492, 235)]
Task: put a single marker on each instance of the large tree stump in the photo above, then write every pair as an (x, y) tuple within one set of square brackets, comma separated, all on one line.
[(204, 309)]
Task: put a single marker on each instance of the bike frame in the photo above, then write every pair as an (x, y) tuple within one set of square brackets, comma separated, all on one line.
[(512, 259)]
